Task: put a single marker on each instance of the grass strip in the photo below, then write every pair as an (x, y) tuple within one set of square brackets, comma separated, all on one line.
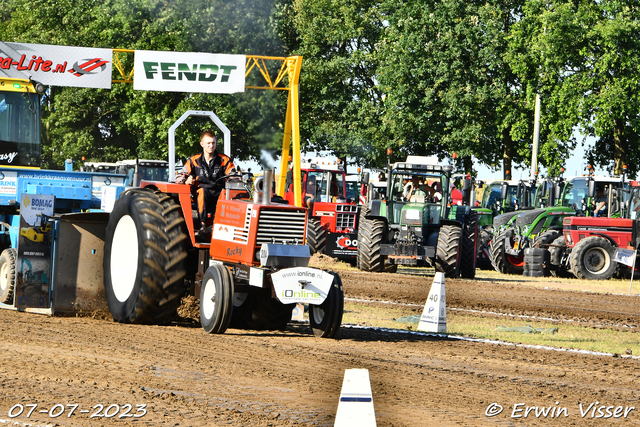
[(571, 336)]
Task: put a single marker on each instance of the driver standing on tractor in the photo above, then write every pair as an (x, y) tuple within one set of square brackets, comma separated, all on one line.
[(207, 170)]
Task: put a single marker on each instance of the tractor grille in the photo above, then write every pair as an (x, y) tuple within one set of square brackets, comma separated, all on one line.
[(281, 226), (346, 217)]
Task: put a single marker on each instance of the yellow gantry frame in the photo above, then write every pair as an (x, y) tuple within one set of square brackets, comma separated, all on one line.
[(290, 68)]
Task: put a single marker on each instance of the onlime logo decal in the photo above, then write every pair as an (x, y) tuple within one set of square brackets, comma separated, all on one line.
[(194, 72), (288, 293)]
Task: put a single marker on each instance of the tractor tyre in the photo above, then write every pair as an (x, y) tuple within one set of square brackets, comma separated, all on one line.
[(371, 233), (325, 319), (468, 246), (483, 260), (592, 258), (267, 313), (8, 275), (316, 236), (501, 261), (546, 239), (556, 250), (216, 299), (144, 257), (447, 250)]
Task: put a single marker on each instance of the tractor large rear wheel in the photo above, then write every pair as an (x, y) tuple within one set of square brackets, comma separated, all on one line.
[(371, 233), (325, 319), (144, 258), (502, 261), (447, 250), (469, 249), (7, 275), (316, 236), (592, 258)]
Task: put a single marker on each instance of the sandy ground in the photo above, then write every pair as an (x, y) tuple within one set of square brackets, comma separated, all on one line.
[(177, 375)]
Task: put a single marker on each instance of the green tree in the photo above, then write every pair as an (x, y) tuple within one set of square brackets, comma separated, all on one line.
[(449, 86), (339, 95), (583, 56), (119, 123)]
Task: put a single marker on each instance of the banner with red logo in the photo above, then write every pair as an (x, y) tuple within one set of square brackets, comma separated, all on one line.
[(57, 65)]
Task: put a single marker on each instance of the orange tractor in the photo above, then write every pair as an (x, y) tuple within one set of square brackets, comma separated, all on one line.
[(250, 274)]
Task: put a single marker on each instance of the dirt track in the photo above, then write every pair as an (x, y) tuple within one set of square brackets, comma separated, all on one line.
[(246, 378)]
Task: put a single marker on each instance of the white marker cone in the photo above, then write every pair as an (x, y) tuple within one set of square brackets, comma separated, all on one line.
[(356, 401), (434, 316)]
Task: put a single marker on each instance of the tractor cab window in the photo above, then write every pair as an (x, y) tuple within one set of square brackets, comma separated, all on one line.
[(329, 186), (20, 129), (575, 195), (634, 203), (491, 196)]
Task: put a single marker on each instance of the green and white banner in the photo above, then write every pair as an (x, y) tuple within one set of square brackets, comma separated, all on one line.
[(188, 72)]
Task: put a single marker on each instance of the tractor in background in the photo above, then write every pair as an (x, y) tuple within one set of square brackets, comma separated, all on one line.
[(498, 198), (420, 230), (587, 244), (555, 199), (333, 216)]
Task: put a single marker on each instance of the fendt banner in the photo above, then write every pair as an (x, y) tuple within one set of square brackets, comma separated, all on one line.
[(57, 65), (188, 72)]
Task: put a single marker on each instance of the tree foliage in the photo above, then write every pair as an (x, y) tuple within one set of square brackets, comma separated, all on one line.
[(121, 123), (419, 76)]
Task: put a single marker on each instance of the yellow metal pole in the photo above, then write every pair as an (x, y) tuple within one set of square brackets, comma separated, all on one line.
[(286, 144), (294, 80)]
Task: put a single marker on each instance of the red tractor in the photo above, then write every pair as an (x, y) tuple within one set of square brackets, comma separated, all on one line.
[(332, 226), (587, 245), (249, 274)]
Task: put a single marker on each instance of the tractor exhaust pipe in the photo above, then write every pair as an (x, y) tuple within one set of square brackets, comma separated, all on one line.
[(267, 186)]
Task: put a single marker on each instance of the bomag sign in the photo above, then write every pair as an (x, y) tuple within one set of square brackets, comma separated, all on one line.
[(189, 72)]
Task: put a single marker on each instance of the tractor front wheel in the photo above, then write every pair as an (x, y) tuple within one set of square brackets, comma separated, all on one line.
[(502, 261), (592, 258), (316, 236), (469, 249), (7, 275), (144, 257), (370, 238), (447, 250), (216, 299)]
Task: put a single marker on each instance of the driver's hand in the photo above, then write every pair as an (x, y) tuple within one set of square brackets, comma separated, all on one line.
[(189, 180)]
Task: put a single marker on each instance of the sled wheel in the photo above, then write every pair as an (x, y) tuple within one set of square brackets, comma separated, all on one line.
[(326, 318), (447, 250), (370, 238), (216, 299), (266, 312), (7, 275), (144, 257), (592, 258), (316, 236)]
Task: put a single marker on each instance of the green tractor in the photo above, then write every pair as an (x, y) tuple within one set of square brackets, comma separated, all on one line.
[(418, 228), (498, 198), (555, 199)]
